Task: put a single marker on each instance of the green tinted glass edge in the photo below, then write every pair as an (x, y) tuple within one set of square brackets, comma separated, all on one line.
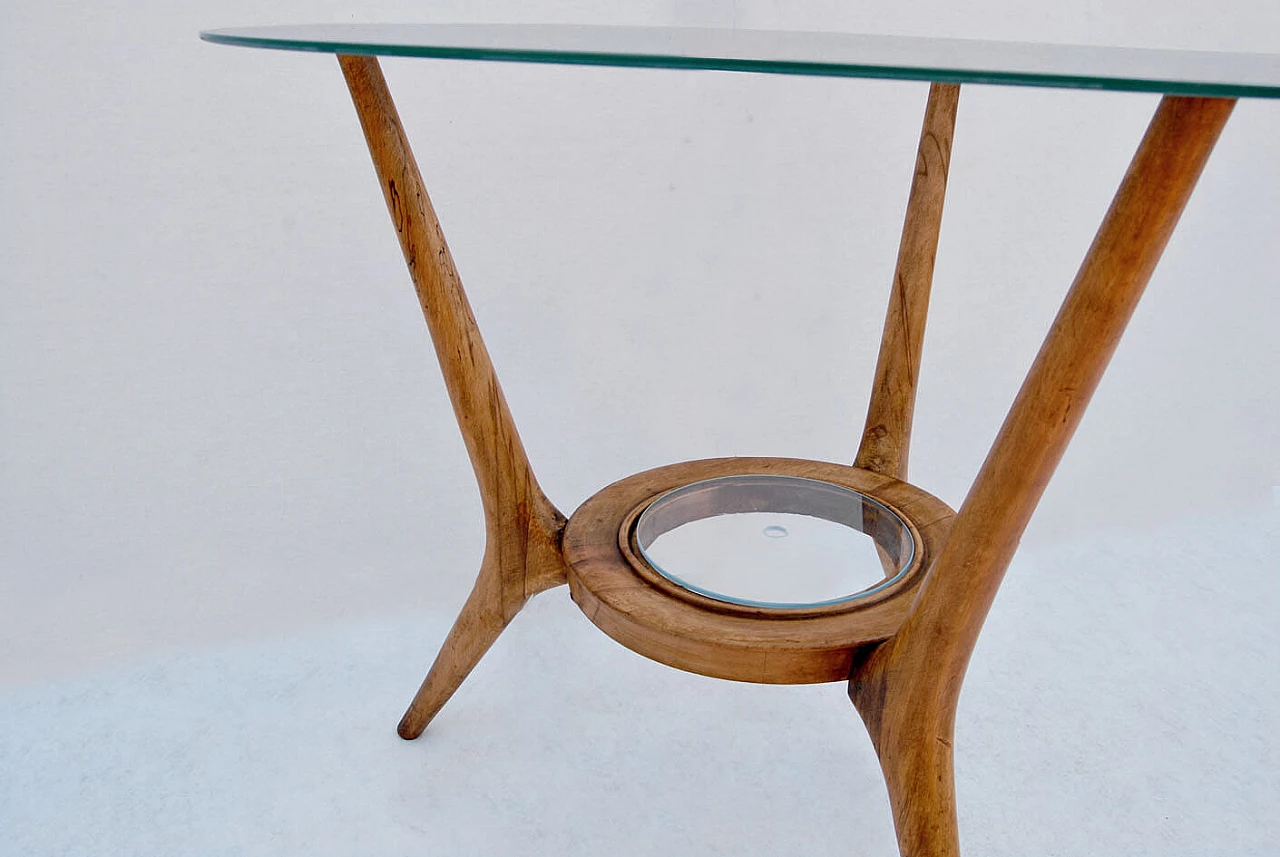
[(809, 69)]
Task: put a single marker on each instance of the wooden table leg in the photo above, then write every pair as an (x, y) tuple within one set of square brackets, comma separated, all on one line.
[(907, 689), (523, 529), (886, 437)]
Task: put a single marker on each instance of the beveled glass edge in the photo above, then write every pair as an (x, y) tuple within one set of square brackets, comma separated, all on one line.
[(1107, 83), (876, 588)]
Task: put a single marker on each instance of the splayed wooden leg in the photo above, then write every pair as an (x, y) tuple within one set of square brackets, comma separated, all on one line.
[(886, 437), (907, 689), (522, 528)]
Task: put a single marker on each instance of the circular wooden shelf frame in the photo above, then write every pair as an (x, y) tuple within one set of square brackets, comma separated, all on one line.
[(635, 605)]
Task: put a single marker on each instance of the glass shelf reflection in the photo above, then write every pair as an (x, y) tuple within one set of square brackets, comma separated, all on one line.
[(774, 541)]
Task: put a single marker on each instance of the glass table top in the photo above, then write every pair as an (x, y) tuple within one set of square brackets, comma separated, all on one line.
[(790, 52)]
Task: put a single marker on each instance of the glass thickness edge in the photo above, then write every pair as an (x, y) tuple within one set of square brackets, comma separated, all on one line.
[(623, 59)]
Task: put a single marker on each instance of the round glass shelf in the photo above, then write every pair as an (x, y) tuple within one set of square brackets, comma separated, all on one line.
[(774, 541)]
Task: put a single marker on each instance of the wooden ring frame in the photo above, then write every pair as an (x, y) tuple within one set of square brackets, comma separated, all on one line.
[(653, 616)]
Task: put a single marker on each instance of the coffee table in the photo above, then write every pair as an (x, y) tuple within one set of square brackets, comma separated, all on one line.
[(902, 640)]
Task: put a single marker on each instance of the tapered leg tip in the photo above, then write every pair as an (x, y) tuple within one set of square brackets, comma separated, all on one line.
[(409, 730)]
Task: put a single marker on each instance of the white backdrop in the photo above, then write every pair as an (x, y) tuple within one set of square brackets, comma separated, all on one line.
[(221, 422)]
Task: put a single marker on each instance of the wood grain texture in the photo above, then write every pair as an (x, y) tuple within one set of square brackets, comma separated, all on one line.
[(523, 529), (655, 617), (907, 689), (886, 437), (905, 650)]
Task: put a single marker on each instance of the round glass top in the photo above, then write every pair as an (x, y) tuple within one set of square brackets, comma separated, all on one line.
[(774, 541), (789, 52)]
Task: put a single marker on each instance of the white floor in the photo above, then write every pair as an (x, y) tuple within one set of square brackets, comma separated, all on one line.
[(1122, 701)]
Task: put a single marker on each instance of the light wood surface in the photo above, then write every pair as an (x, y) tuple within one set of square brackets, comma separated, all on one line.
[(907, 689), (659, 619), (886, 437), (522, 528), (904, 650)]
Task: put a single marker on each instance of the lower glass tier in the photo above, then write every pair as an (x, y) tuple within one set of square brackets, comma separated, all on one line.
[(774, 541)]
